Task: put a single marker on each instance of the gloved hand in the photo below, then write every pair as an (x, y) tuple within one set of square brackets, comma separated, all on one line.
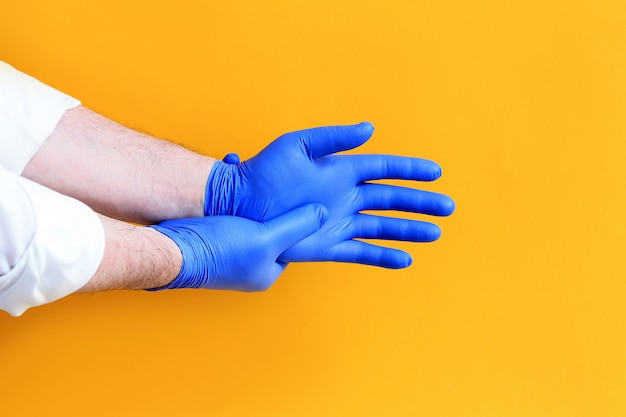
[(233, 253), (300, 168)]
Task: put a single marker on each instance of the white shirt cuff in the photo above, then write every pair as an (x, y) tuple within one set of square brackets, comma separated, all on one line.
[(29, 112)]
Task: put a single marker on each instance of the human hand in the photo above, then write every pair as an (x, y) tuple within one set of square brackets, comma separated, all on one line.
[(233, 253), (301, 167)]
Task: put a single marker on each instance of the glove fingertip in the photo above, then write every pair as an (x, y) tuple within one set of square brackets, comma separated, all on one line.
[(436, 233), (367, 126), (448, 206), (365, 131), (400, 261), (437, 171)]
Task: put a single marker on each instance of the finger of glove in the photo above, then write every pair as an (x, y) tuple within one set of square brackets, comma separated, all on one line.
[(293, 226), (322, 141), (354, 251), (392, 197), (378, 167), (376, 227)]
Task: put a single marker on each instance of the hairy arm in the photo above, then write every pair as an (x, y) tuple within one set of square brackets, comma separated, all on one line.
[(135, 258), (120, 172)]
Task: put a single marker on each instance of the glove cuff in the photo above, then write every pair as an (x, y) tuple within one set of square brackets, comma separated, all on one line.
[(198, 269), (219, 196)]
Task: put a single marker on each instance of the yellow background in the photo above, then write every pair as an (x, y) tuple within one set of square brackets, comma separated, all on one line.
[(518, 310)]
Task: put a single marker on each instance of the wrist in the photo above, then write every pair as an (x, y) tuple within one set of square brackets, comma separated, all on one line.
[(171, 256), (197, 266), (135, 257)]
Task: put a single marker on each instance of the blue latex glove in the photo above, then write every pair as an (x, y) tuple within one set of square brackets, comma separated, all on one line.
[(233, 253), (301, 167)]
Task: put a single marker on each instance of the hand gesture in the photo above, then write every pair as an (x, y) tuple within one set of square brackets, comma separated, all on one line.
[(303, 167)]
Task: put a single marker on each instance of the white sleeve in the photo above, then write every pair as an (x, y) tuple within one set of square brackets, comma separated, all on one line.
[(29, 112), (51, 244)]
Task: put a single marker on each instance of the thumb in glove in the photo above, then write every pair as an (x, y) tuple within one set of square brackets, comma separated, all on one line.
[(234, 253)]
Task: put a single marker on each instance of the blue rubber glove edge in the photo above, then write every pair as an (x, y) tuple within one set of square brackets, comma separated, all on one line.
[(188, 277), (219, 196)]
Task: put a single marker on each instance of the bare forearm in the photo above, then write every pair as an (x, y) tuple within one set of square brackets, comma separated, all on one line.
[(120, 172), (135, 257)]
